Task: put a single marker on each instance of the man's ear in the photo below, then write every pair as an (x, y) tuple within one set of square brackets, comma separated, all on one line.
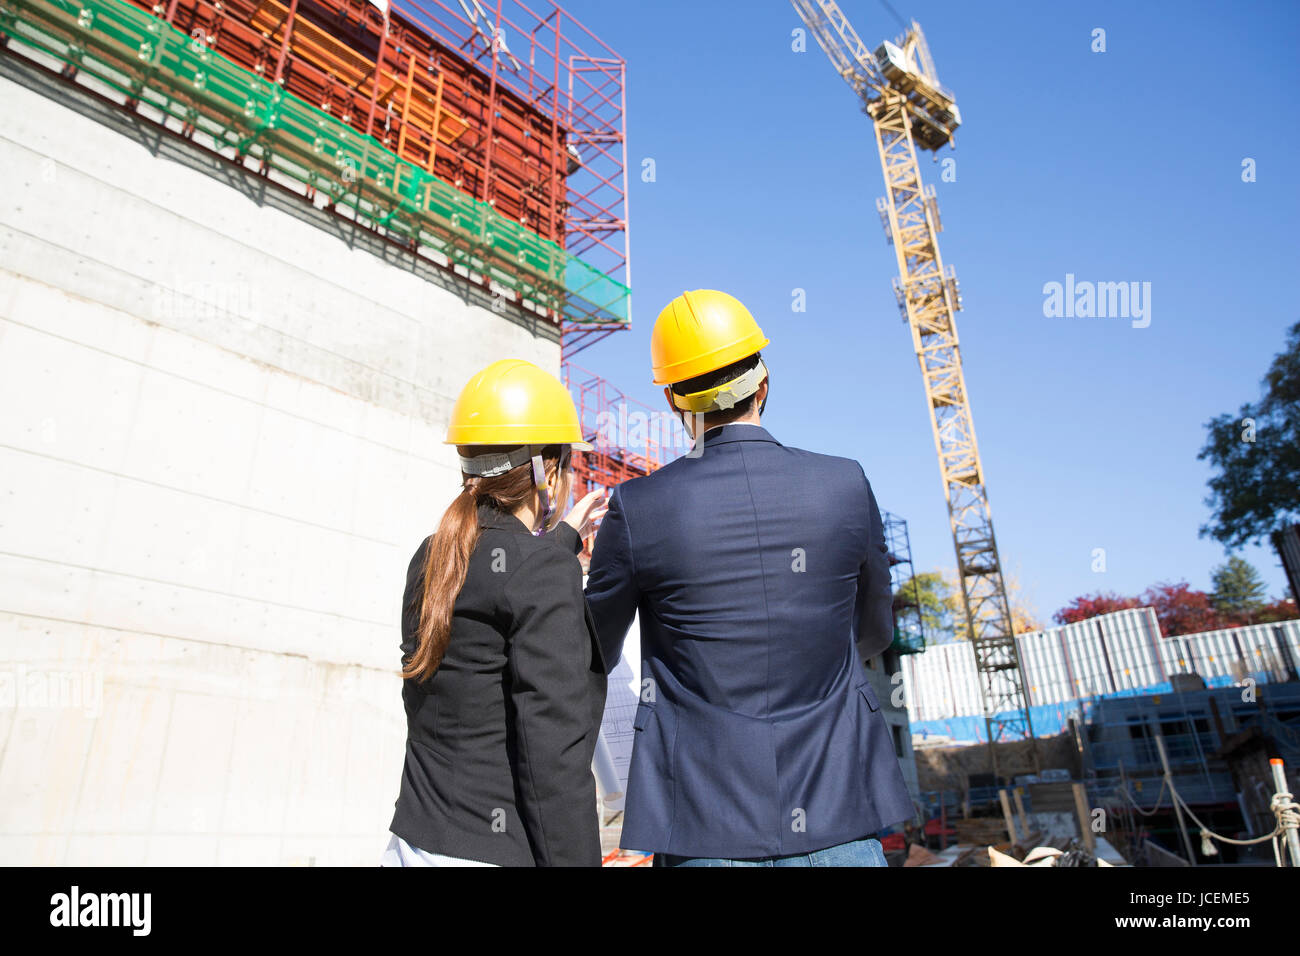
[(668, 397)]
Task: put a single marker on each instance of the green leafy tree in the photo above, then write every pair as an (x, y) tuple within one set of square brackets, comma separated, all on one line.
[(942, 602), (934, 596), (1238, 591), (1256, 454)]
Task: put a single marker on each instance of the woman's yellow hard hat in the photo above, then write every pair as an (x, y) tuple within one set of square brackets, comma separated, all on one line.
[(701, 331), (513, 402)]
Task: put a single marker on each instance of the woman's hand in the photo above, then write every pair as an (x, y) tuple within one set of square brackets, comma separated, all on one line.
[(586, 512)]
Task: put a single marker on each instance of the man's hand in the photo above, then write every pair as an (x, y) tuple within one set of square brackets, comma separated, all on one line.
[(586, 512)]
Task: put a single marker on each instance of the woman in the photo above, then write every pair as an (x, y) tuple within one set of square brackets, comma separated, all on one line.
[(504, 684)]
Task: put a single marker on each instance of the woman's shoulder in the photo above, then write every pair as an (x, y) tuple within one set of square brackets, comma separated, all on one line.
[(512, 553), (500, 554), (560, 541)]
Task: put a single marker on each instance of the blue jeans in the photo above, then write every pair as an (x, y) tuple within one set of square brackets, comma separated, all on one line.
[(866, 852)]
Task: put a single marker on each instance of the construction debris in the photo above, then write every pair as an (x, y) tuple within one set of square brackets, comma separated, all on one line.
[(980, 830), (1064, 852), (1038, 849), (918, 855)]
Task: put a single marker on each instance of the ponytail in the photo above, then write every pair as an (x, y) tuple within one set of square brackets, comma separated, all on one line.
[(447, 561), (445, 565)]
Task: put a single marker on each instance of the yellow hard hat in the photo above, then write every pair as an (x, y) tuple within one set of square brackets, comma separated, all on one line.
[(701, 331), (513, 402)]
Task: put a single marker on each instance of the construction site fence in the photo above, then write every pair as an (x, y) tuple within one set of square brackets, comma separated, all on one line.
[(1118, 654)]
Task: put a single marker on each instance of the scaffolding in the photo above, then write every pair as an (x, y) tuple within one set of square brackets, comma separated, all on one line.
[(408, 133), (909, 627), (492, 144), (629, 439)]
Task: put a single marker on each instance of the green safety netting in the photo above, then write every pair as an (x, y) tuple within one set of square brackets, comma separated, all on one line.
[(906, 642), (153, 63)]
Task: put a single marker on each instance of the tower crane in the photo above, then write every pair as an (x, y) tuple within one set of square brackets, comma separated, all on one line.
[(910, 110)]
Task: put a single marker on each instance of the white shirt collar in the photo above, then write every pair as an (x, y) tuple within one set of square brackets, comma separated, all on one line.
[(716, 427)]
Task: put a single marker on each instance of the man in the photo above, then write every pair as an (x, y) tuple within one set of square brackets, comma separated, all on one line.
[(754, 566)]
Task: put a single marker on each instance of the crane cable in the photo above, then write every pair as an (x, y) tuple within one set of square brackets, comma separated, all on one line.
[(894, 14)]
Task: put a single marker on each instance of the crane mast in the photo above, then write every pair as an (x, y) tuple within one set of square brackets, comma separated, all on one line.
[(909, 109)]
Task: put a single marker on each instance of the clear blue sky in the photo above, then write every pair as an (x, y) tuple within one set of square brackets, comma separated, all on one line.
[(1115, 166)]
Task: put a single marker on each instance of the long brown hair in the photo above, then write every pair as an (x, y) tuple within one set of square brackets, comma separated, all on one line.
[(447, 561)]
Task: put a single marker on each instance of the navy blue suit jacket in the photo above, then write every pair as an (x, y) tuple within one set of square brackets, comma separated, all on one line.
[(754, 567)]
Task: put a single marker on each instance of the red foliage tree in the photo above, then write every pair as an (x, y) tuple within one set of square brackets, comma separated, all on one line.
[(1283, 609), (1181, 610), (1092, 605)]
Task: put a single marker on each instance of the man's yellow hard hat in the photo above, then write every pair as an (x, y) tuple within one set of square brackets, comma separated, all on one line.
[(701, 331), (513, 402)]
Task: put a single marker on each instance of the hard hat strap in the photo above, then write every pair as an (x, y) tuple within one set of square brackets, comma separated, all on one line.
[(498, 463), (539, 480), (722, 397), (685, 418)]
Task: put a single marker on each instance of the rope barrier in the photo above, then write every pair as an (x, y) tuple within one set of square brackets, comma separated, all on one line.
[(1284, 808), (1159, 798)]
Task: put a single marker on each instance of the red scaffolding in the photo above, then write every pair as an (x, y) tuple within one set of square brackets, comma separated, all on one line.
[(629, 438), (506, 108), (518, 105), (547, 57)]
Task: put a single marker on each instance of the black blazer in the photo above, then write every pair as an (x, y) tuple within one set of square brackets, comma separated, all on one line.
[(500, 739)]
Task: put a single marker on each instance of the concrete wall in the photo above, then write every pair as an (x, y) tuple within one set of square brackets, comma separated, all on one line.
[(219, 447), (880, 671)]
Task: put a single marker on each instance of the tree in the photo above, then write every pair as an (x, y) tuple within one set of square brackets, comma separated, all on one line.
[(1023, 620), (934, 596), (1023, 616), (1238, 599), (1181, 610), (1283, 609), (1257, 456), (1238, 591), (1093, 605)]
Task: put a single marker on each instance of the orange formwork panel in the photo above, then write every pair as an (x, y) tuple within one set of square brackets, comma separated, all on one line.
[(387, 76), (516, 104)]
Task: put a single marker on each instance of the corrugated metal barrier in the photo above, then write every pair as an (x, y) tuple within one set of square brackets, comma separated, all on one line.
[(1115, 654)]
